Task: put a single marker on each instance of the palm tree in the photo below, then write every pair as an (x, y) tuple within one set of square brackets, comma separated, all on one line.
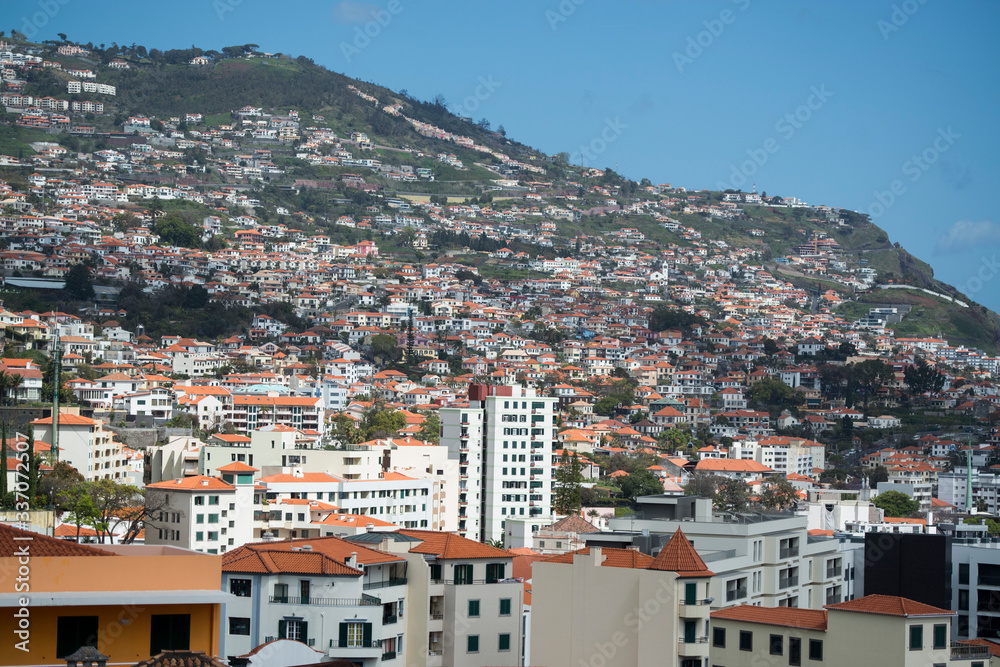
[(14, 383)]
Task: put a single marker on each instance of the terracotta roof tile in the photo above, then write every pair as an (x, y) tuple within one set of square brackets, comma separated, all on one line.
[(790, 617), (42, 546), (452, 546), (612, 557), (193, 483), (890, 605), (679, 556)]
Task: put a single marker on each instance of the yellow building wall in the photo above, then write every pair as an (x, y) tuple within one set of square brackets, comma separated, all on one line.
[(123, 631)]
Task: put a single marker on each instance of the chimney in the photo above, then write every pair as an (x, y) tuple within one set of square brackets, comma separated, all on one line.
[(352, 560), (596, 558)]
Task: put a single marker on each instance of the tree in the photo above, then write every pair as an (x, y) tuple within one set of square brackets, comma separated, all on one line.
[(869, 377), (3, 463), (640, 483), (733, 496), (923, 377), (777, 493), (384, 348), (566, 497), (896, 504), (79, 284), (79, 505), (666, 317), (703, 484), (878, 474), (58, 483), (430, 430)]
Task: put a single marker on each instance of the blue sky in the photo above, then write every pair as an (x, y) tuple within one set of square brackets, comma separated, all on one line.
[(887, 107)]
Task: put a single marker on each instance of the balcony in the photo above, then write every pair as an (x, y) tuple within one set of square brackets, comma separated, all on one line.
[(961, 651), (437, 615), (788, 582), (694, 640), (834, 573), (789, 552), (338, 648), (389, 620), (385, 584), (738, 594), (389, 655), (327, 602), (307, 642)]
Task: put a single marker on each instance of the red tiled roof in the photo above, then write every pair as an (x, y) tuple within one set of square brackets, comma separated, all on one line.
[(890, 605), (193, 483), (265, 560), (679, 556), (790, 617), (237, 466), (612, 557), (42, 546), (450, 545)]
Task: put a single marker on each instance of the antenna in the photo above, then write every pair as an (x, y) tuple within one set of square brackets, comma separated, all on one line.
[(55, 396)]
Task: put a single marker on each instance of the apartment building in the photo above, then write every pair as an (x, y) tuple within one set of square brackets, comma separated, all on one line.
[(129, 601), (763, 560), (782, 454), (622, 607), (503, 442), (208, 514), (397, 598), (876, 629), (85, 445)]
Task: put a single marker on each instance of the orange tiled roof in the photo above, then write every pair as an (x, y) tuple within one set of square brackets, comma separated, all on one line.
[(193, 483), (890, 605), (628, 558), (237, 466), (266, 560), (679, 556), (790, 617), (450, 545), (42, 546)]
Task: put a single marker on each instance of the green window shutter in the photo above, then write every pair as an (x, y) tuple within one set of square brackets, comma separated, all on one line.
[(342, 640), (690, 593), (282, 629), (366, 633), (304, 632), (505, 607), (504, 642)]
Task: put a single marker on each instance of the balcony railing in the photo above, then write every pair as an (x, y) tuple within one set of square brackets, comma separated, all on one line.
[(307, 642), (830, 574), (699, 602), (437, 615), (327, 602), (694, 640), (464, 582), (389, 655), (960, 651), (789, 552), (389, 620), (788, 582), (384, 584), (738, 594), (373, 643)]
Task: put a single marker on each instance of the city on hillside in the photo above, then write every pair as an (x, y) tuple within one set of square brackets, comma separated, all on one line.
[(363, 382)]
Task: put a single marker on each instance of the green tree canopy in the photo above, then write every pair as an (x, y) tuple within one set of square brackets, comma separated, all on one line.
[(896, 504)]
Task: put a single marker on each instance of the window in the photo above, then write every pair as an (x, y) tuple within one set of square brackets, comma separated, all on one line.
[(213, 500), (213, 518), (794, 651), (240, 587), (199, 500), (436, 572), (356, 635), (281, 593), (199, 518), (472, 644), (777, 645), (504, 643), (463, 574), (746, 640), (719, 637), (505, 606), (239, 626), (293, 629), (169, 631), (736, 589), (72, 632), (940, 636), (473, 608), (916, 637), (963, 574), (963, 600), (690, 593), (199, 536), (815, 649)]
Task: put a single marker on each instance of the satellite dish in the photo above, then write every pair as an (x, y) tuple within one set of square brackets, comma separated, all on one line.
[(953, 447)]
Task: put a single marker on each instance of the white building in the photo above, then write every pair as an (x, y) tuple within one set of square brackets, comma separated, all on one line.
[(503, 441), (206, 514)]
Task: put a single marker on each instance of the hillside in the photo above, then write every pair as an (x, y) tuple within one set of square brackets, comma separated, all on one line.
[(161, 85)]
